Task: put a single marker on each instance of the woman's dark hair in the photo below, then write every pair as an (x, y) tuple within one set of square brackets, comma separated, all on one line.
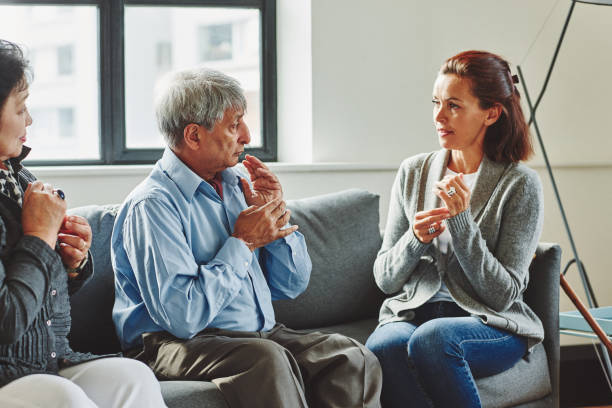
[(14, 70), (508, 139)]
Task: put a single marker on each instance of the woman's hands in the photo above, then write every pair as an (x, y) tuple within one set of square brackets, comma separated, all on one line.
[(75, 240), (44, 215), (454, 193), (428, 224), (42, 212)]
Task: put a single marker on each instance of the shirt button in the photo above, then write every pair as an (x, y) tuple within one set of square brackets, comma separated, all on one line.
[(53, 354), (53, 292), (246, 263), (48, 322)]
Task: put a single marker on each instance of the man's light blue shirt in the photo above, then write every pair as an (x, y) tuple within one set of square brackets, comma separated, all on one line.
[(177, 267)]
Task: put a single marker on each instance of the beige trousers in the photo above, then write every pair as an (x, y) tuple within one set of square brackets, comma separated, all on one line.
[(103, 383), (281, 368)]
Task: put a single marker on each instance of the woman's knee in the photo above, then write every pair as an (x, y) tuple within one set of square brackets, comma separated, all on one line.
[(125, 372), (390, 341), (431, 340), (51, 391), (117, 382)]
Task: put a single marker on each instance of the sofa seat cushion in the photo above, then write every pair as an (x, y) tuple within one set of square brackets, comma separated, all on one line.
[(192, 394), (527, 380), (359, 330)]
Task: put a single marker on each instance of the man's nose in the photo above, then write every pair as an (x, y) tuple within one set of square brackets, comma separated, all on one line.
[(245, 134)]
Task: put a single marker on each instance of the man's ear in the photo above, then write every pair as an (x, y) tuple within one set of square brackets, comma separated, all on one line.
[(493, 114), (191, 136)]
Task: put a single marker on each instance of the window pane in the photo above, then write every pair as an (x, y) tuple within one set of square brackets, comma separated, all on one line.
[(161, 39), (62, 45)]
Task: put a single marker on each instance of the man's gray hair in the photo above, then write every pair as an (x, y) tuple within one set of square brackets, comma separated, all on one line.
[(196, 95)]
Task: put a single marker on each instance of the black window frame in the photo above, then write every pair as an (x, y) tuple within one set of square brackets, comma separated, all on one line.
[(111, 74)]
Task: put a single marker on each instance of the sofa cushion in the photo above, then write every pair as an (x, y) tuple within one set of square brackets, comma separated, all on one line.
[(192, 394), (343, 237), (359, 330), (527, 380), (91, 307)]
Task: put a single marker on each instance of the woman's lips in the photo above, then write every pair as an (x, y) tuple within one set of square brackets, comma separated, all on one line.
[(23, 139), (444, 132)]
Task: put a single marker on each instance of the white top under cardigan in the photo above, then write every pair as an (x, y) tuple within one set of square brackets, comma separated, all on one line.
[(445, 242), (494, 241)]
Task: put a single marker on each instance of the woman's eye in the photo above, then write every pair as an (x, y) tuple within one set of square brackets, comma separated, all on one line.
[(453, 106), (435, 101)]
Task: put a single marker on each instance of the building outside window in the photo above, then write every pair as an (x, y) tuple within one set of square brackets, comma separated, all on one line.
[(215, 42), (65, 64)]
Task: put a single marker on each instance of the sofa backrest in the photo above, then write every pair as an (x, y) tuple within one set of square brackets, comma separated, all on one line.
[(343, 237), (92, 326), (542, 296)]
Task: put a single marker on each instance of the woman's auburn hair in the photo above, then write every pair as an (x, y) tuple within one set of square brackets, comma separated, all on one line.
[(508, 139)]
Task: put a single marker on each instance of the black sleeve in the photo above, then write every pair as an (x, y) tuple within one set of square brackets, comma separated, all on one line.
[(25, 274)]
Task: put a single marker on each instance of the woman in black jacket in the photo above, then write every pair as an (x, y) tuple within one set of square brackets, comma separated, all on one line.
[(43, 259)]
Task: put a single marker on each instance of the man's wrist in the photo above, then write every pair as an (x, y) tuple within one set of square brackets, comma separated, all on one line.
[(248, 244)]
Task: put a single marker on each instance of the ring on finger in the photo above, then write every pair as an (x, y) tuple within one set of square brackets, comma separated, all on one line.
[(451, 191), (432, 229)]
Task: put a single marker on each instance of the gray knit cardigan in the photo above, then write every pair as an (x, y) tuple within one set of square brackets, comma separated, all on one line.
[(494, 241)]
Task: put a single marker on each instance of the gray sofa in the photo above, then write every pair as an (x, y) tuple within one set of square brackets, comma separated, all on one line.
[(343, 237)]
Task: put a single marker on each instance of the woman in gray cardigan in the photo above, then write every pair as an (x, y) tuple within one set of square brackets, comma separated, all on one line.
[(463, 226), (43, 259)]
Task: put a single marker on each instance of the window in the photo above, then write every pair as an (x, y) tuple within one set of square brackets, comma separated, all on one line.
[(95, 64), (187, 37), (61, 44)]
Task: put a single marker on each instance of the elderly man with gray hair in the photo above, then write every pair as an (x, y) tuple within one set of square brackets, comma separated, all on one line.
[(199, 254)]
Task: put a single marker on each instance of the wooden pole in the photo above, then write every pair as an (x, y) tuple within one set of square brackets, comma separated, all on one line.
[(586, 314)]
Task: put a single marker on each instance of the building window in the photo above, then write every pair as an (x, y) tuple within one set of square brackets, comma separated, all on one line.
[(64, 60), (215, 42), (96, 64), (163, 51), (66, 122)]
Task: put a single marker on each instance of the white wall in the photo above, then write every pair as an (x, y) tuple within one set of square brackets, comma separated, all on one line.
[(355, 80)]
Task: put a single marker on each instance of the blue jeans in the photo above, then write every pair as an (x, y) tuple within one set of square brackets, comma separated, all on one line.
[(435, 357)]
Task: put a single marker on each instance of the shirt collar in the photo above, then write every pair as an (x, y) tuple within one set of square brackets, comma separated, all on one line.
[(186, 180)]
